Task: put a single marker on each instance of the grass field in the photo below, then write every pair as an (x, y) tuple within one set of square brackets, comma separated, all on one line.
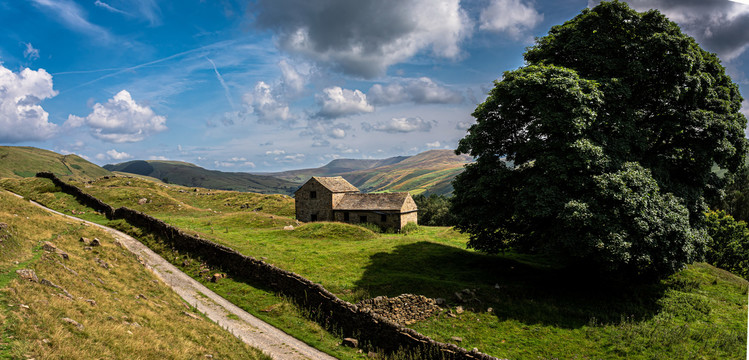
[(117, 309), (511, 306)]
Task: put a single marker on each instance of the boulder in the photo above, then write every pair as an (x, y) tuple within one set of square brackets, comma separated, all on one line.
[(350, 342), (27, 274)]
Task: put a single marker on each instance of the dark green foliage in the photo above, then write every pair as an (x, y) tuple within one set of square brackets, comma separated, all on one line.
[(434, 210), (729, 248), (612, 129), (735, 200)]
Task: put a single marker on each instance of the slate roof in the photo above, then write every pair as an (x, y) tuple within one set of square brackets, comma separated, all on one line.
[(336, 184), (373, 202)]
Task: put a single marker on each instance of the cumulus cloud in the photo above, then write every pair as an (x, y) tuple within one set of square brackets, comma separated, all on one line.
[(268, 107), (719, 26), (21, 116), (275, 152), (363, 38), (420, 91), (120, 120), (337, 102), (113, 155), (464, 125), (513, 17), (30, 53), (401, 125), (433, 145)]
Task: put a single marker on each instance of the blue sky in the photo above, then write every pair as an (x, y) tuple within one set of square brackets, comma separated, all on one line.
[(269, 85)]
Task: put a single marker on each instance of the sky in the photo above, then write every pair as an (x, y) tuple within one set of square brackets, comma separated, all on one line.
[(273, 85)]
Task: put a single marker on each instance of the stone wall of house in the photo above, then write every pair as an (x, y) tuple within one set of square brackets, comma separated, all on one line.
[(346, 318), (411, 217), (393, 219), (321, 205)]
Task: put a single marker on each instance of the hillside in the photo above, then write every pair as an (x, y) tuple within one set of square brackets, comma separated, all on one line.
[(337, 167), (187, 174), (430, 172), (95, 302), (18, 162)]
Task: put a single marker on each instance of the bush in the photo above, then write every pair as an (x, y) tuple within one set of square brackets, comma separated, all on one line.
[(409, 228), (729, 247)]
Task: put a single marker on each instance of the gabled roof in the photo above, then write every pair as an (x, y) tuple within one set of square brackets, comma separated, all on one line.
[(335, 184), (373, 202)]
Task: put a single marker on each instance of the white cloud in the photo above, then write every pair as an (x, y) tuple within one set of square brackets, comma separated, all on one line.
[(113, 155), (337, 133), (435, 144), (21, 116), (513, 17), (275, 152), (110, 8), (420, 91), (464, 125), (120, 120), (337, 102), (401, 125), (365, 37), (30, 53), (266, 105), (291, 78), (147, 10), (162, 158)]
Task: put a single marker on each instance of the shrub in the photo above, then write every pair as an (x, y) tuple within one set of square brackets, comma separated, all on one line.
[(729, 247), (410, 228)]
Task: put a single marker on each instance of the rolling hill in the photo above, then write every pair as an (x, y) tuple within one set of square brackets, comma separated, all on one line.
[(187, 174), (430, 172), (18, 162)]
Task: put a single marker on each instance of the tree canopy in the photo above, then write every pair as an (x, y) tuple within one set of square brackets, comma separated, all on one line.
[(601, 147)]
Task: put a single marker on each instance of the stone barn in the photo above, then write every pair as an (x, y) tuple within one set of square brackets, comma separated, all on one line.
[(335, 199)]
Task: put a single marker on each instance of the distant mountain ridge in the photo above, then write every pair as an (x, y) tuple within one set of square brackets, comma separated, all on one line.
[(187, 174), (429, 172)]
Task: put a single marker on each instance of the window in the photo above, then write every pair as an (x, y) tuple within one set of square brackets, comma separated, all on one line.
[(363, 219), (346, 216), (313, 194), (383, 218), (313, 217)]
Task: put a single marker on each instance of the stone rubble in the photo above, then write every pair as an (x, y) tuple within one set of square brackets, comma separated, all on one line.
[(404, 309)]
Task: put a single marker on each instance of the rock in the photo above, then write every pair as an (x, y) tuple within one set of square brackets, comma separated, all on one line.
[(102, 263), (48, 246), (91, 302), (142, 201), (456, 339), (73, 322), (23, 306), (405, 309), (141, 296), (490, 310), (288, 227), (189, 314), (84, 240), (87, 248), (95, 242), (51, 284), (27, 274), (439, 301), (459, 310), (3, 226), (216, 277), (371, 354), (350, 342)]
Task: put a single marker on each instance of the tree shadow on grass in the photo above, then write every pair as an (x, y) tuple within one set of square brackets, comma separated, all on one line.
[(529, 293)]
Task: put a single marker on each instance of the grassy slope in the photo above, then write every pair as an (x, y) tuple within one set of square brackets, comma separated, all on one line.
[(430, 172), (132, 315), (27, 161), (191, 175), (520, 307)]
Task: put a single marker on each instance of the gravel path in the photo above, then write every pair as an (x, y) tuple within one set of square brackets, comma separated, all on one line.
[(253, 331)]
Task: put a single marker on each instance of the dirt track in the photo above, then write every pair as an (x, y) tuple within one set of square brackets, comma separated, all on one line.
[(248, 328)]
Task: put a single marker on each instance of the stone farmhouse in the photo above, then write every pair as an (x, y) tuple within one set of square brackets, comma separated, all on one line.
[(335, 199)]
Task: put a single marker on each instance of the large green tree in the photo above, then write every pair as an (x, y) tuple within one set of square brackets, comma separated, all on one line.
[(600, 149)]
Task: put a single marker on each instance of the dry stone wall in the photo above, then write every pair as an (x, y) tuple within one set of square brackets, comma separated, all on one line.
[(361, 323)]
